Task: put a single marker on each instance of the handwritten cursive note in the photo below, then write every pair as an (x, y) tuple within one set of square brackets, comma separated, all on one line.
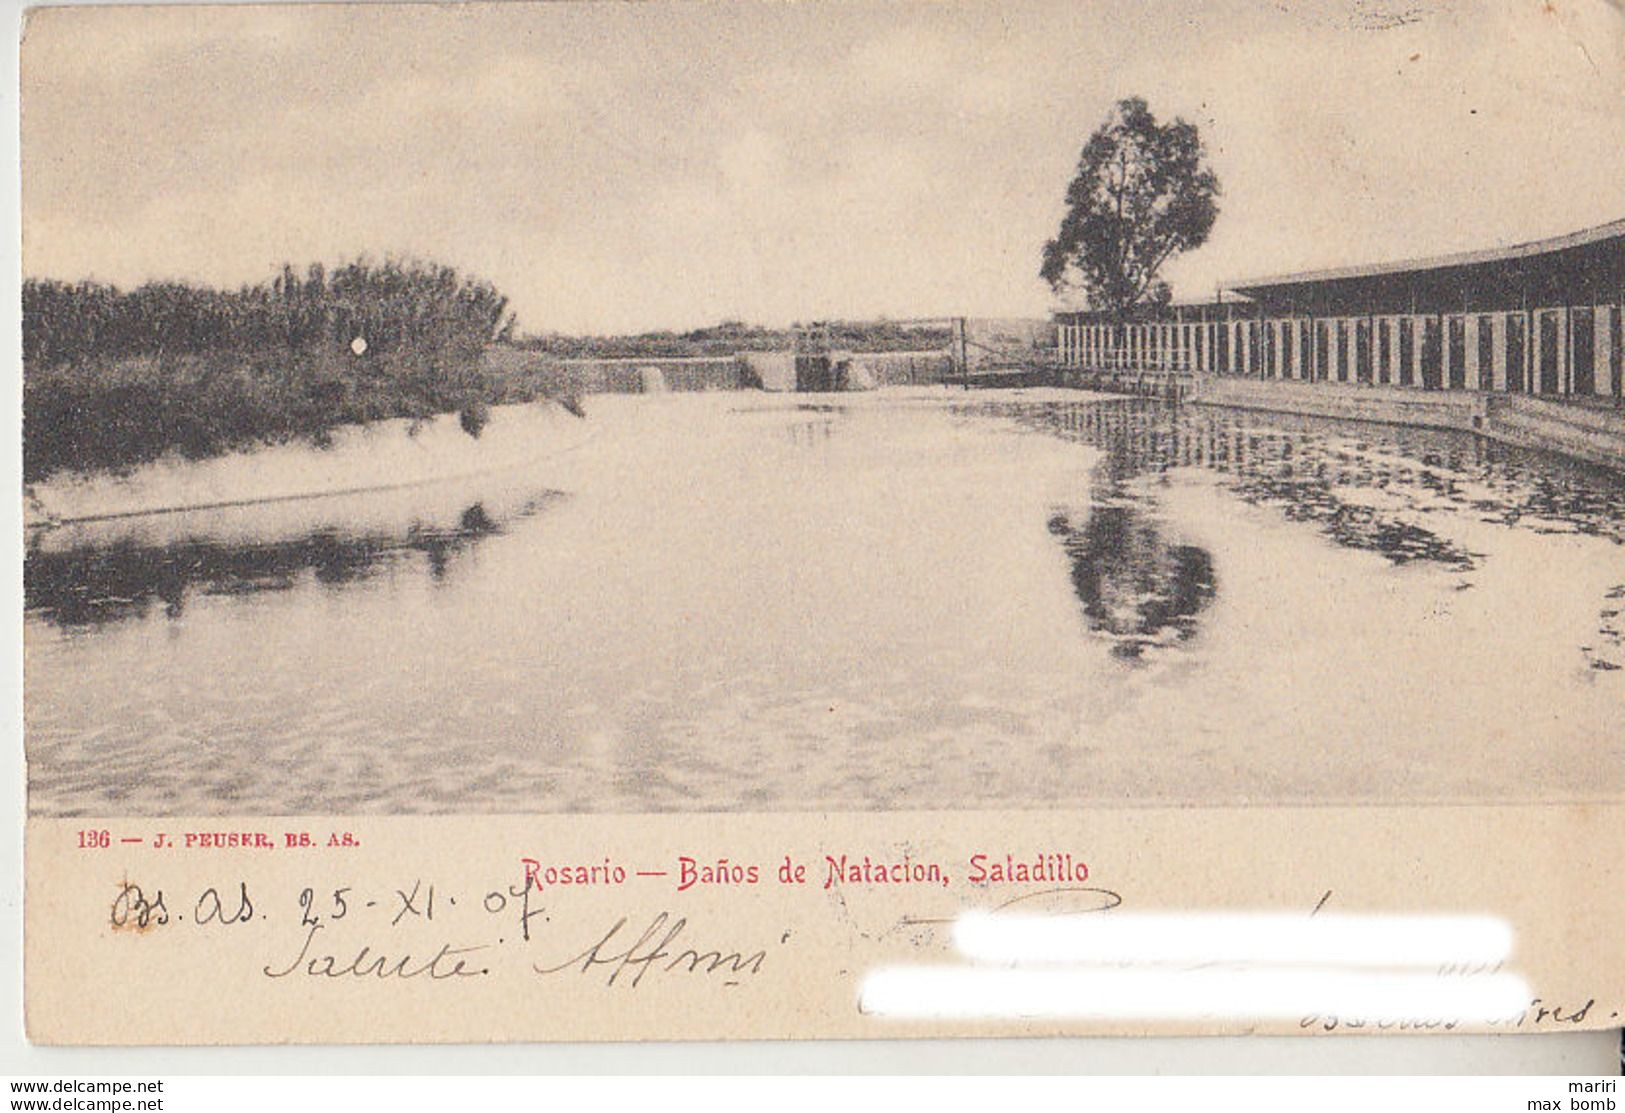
[(352, 933)]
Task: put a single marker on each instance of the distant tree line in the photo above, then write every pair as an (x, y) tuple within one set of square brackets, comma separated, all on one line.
[(114, 377), (733, 336)]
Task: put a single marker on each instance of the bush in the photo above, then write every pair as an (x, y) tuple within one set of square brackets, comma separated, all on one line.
[(473, 416), (112, 379)]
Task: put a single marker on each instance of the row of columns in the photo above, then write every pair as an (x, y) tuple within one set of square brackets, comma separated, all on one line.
[(1163, 346), (1556, 350)]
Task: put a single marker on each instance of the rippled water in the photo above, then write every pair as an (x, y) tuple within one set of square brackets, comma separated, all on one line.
[(920, 599)]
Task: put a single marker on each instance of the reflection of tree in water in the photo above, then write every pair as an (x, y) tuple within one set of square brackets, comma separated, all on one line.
[(1306, 467), (95, 585), (1302, 467), (1136, 588)]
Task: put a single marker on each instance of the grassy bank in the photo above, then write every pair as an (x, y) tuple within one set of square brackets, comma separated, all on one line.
[(115, 378)]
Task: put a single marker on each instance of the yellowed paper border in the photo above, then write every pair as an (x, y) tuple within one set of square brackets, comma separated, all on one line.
[(387, 930)]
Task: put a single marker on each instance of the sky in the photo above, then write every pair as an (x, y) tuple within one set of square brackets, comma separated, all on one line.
[(616, 167)]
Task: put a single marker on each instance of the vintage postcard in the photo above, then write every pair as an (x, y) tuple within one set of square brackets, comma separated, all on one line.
[(668, 521)]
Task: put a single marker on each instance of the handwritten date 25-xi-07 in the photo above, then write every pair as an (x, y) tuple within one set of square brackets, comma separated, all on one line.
[(624, 952)]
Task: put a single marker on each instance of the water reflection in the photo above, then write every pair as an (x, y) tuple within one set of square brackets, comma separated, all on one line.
[(1371, 488), (724, 619), (812, 432), (1323, 472), (1610, 632), (93, 585), (1137, 590)]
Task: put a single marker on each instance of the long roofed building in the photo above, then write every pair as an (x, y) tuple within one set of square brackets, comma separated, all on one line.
[(1545, 318)]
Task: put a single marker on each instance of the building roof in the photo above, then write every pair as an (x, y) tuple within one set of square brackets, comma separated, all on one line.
[(1602, 232)]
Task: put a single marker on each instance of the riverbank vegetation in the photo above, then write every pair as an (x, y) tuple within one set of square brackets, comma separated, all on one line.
[(114, 378)]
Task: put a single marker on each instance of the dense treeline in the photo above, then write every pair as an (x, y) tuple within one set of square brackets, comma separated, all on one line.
[(730, 337), (113, 378)]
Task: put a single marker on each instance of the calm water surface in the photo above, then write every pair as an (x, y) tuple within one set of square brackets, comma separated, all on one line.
[(931, 600)]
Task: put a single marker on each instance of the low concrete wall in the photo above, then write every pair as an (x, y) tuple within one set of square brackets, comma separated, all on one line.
[(1173, 385), (1390, 405), (1587, 433), (382, 456), (1594, 435)]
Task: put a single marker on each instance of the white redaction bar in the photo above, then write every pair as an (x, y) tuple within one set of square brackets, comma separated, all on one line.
[(1280, 939), (1148, 993)]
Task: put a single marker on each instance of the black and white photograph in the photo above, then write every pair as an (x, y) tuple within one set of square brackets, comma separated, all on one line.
[(669, 408)]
